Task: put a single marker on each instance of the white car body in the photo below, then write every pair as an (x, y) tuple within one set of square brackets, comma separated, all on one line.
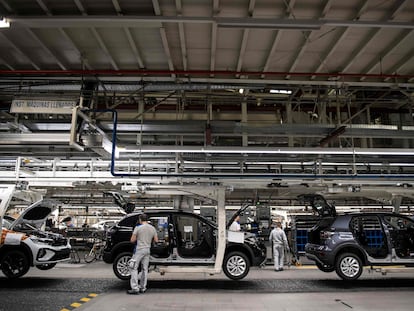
[(24, 243)]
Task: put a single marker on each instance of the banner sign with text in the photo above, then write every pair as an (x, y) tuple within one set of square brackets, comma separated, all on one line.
[(42, 106)]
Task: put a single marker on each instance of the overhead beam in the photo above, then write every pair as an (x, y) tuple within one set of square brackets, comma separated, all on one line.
[(181, 33), (64, 34), (6, 64), (104, 48), (104, 21), (385, 53), (84, 61), (6, 5), (306, 39), (365, 42), (278, 35), (44, 7), (342, 33), (39, 41), (117, 7), (407, 58), (31, 61), (82, 9), (213, 48), (245, 38), (242, 49), (163, 34), (134, 48), (128, 34)]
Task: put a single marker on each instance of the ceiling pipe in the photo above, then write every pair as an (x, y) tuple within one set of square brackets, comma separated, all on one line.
[(200, 73)]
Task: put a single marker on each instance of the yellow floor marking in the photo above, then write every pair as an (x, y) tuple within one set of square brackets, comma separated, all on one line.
[(64, 309), (92, 295), (85, 299), (76, 304)]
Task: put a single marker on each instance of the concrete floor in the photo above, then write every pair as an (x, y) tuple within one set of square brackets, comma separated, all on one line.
[(263, 289), (246, 301)]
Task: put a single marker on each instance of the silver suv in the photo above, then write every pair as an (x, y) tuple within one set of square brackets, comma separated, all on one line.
[(346, 243)]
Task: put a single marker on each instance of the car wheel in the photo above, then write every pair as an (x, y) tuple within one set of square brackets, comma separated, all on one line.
[(349, 266), (325, 268), (46, 266), (236, 265), (120, 266), (14, 264)]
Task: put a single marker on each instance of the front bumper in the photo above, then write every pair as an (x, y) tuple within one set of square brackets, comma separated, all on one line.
[(51, 255)]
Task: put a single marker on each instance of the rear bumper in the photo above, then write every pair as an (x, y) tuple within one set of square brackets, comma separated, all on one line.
[(319, 254)]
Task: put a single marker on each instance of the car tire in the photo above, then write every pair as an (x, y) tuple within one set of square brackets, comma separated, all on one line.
[(14, 264), (236, 265), (46, 266), (325, 268), (120, 266), (349, 266)]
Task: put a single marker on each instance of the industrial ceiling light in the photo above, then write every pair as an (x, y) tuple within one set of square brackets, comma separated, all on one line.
[(4, 23), (287, 92)]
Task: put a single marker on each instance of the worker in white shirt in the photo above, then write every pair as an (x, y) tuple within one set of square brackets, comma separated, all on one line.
[(235, 226)]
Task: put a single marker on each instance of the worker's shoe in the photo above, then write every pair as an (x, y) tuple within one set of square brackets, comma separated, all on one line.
[(132, 292), (142, 290)]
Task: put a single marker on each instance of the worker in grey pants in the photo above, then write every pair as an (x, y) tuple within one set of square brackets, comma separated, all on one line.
[(144, 234), (278, 238)]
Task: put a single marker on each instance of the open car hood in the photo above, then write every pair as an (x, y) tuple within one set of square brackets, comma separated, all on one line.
[(36, 214), (319, 205)]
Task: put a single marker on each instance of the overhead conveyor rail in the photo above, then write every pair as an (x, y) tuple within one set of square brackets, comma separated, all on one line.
[(33, 169)]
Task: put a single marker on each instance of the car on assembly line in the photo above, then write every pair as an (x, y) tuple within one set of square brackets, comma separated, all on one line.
[(346, 243), (23, 244), (185, 239)]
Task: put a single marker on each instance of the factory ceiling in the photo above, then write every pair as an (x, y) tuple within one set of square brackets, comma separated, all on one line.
[(283, 97)]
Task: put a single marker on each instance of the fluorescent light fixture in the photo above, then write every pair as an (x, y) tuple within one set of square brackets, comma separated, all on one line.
[(4, 23), (274, 91), (241, 91)]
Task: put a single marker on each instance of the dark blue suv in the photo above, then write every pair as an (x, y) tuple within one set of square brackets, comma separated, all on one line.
[(346, 243)]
